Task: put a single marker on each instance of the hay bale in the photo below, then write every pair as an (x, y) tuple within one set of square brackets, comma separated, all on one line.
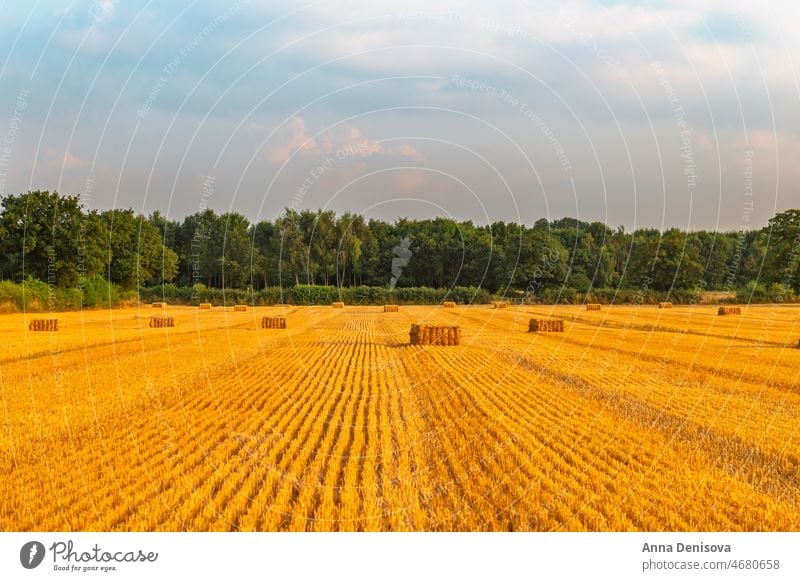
[(449, 305), (338, 305), (443, 335), (160, 321), (729, 311), (160, 305), (390, 308), (239, 308), (204, 306), (499, 304), (665, 305), (273, 322), (43, 325), (592, 306), (546, 325)]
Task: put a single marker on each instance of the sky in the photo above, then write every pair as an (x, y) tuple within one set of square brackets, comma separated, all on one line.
[(639, 114)]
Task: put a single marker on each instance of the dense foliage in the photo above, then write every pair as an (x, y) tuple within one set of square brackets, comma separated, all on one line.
[(317, 256)]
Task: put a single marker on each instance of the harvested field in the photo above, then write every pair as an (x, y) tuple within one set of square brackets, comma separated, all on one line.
[(641, 419)]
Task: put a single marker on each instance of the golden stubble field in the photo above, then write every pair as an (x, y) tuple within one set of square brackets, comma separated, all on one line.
[(634, 418)]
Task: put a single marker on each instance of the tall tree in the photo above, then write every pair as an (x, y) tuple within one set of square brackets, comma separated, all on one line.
[(48, 236), (136, 252), (240, 261), (782, 241)]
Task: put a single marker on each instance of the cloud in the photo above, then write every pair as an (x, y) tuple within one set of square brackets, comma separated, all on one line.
[(254, 127), (342, 141), (55, 159), (102, 10), (727, 64), (88, 29), (292, 138), (410, 152), (349, 141)]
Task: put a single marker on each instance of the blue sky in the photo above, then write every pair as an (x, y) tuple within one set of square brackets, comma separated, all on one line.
[(642, 114)]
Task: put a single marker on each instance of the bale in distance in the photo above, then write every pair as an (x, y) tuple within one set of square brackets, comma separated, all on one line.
[(43, 325), (158, 322), (160, 305), (449, 305), (499, 304), (239, 308), (390, 309), (665, 305), (204, 306), (729, 311), (592, 306), (338, 305), (273, 322), (443, 335), (546, 325)]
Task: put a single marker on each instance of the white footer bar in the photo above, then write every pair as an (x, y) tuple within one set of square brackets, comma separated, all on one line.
[(401, 556)]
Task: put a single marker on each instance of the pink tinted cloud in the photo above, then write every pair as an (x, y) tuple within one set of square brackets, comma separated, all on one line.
[(344, 141)]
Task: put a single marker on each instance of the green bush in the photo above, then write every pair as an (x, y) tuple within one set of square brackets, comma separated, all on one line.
[(468, 295), (753, 293), (779, 293), (199, 293), (563, 296), (98, 292), (35, 295), (272, 296), (10, 296), (305, 294), (71, 299), (309, 294), (365, 295), (418, 295)]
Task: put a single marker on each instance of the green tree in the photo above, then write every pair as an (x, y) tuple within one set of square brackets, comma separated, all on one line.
[(240, 261), (667, 260), (782, 245), (266, 244), (48, 236), (136, 252), (290, 248)]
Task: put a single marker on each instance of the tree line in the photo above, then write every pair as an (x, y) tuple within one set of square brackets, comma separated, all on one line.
[(53, 238)]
